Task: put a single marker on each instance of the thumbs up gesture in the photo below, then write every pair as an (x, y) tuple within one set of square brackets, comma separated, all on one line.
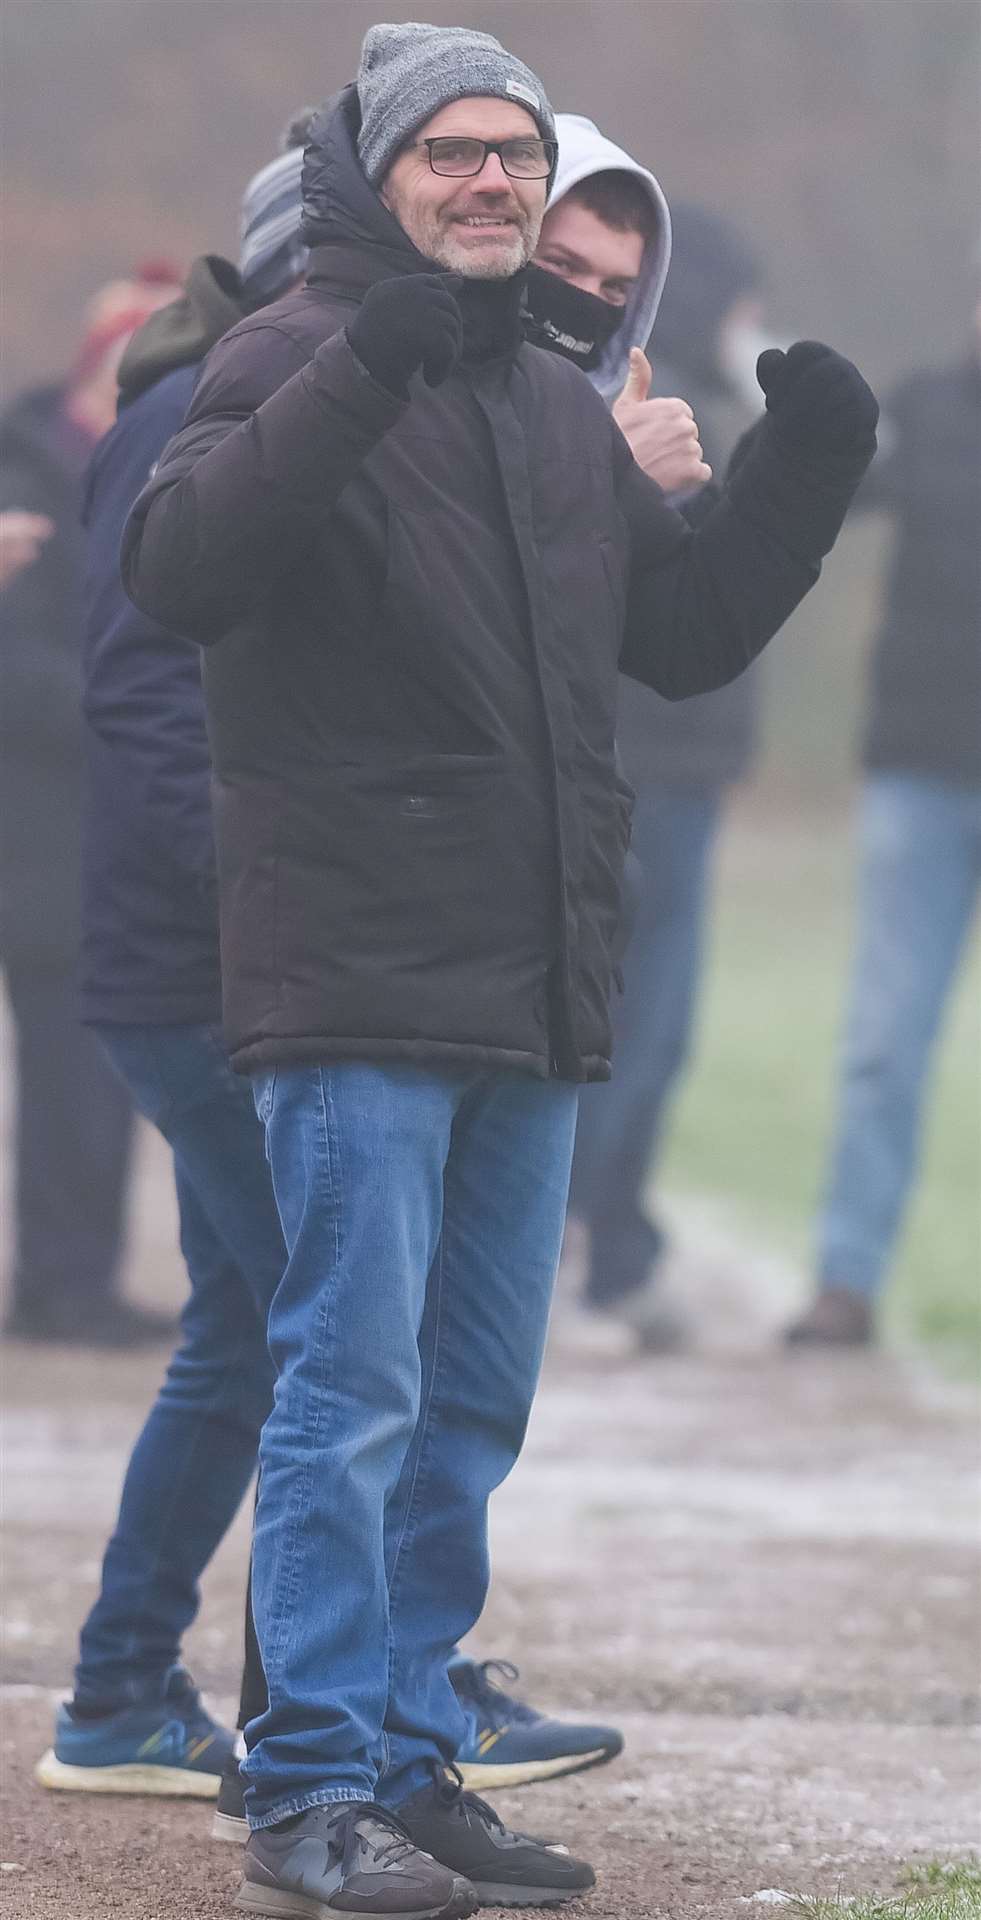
[(662, 434)]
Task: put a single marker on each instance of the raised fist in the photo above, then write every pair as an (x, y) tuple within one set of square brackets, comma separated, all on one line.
[(817, 400), (410, 321)]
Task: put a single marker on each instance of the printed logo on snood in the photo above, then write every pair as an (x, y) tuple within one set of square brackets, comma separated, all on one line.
[(569, 321)]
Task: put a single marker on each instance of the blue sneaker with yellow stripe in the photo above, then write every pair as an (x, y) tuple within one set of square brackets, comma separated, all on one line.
[(510, 1744), (171, 1746)]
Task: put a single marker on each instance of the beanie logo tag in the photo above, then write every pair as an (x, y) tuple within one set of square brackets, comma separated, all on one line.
[(524, 93)]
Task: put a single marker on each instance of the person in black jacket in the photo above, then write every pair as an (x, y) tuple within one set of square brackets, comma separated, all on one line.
[(680, 757), (151, 990), (416, 550), (919, 836), (74, 1121)]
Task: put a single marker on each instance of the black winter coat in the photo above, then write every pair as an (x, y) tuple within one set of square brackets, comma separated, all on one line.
[(415, 613), (149, 923), (149, 951), (707, 741), (925, 697)]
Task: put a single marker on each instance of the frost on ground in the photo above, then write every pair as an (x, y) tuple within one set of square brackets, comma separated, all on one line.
[(763, 1567)]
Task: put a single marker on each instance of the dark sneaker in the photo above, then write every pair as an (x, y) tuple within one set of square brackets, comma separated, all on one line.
[(509, 1744), (173, 1747), (350, 1859), (507, 1869), (837, 1317), (230, 1821)]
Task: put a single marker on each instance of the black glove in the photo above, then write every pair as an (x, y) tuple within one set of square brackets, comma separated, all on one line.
[(817, 401), (408, 322)]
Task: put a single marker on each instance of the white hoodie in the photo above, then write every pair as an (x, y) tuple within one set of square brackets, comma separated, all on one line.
[(583, 151)]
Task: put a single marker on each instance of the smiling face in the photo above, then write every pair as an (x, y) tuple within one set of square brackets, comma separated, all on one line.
[(577, 245), (486, 226)]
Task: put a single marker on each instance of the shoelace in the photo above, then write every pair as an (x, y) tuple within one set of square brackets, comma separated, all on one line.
[(354, 1825), (497, 1707), (452, 1794)]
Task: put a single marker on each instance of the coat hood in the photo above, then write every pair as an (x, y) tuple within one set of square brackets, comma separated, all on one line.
[(182, 333), (583, 151), (341, 209)]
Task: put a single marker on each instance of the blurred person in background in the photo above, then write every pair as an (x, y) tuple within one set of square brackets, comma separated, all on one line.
[(418, 1001), (22, 535), (680, 757), (74, 1121), (919, 835), (151, 990)]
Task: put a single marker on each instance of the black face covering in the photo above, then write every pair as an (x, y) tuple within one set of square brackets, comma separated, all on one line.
[(575, 324)]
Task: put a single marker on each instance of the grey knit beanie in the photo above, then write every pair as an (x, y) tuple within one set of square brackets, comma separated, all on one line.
[(271, 254), (409, 71)]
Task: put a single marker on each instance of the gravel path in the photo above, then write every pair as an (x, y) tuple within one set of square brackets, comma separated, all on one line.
[(764, 1568)]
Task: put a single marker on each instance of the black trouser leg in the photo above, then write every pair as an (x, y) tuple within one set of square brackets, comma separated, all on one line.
[(74, 1136)]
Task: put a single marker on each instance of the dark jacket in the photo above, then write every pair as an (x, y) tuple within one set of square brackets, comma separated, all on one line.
[(708, 741), (419, 611), (924, 711), (42, 459), (149, 952)]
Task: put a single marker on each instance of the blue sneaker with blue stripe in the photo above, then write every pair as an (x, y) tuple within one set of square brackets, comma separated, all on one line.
[(171, 1746), (510, 1744)]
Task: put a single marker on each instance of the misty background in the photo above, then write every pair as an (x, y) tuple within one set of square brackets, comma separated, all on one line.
[(842, 137)]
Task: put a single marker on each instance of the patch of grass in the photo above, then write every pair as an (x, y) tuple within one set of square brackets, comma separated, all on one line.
[(936, 1906), (934, 1891), (754, 1118), (957, 1876)]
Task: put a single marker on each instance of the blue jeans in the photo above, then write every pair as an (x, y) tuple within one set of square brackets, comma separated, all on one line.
[(620, 1124), (918, 889), (196, 1454), (423, 1213)]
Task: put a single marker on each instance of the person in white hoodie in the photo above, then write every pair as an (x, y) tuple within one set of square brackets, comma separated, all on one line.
[(595, 294), (595, 287)]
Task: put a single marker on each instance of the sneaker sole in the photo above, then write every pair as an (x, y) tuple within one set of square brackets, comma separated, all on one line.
[(494, 1894), (232, 1828), (174, 1783), (274, 1904), (521, 1773)]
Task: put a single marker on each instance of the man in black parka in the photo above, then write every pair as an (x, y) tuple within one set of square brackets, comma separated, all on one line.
[(417, 551)]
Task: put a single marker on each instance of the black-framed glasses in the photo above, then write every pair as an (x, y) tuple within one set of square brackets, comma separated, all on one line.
[(459, 158)]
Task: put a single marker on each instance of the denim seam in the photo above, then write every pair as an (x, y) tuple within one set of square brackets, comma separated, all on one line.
[(420, 1480), (413, 1502), (285, 1592)]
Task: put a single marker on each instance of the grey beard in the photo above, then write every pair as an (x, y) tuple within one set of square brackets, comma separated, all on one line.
[(437, 243)]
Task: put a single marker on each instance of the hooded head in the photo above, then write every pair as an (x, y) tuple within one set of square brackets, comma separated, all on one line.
[(272, 258), (561, 309), (409, 71), (458, 140)]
